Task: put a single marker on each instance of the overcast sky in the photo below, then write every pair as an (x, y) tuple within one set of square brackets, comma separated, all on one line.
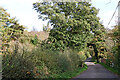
[(27, 16)]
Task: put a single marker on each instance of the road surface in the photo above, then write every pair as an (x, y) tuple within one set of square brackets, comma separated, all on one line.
[(96, 72)]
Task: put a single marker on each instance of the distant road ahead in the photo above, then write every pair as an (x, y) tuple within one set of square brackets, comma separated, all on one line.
[(96, 72)]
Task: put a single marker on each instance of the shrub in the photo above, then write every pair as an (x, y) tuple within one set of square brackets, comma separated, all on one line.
[(45, 62), (53, 62), (116, 60), (17, 65), (40, 62)]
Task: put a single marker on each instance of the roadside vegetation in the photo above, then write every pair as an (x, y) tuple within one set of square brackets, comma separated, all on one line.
[(57, 52), (110, 68), (112, 56)]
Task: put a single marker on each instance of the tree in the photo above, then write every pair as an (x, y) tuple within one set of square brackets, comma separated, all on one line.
[(73, 23), (46, 28), (98, 43), (10, 28)]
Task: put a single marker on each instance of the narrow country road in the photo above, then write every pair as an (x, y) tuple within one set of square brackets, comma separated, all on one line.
[(96, 72)]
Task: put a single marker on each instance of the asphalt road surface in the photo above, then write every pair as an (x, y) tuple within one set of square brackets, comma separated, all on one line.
[(96, 72)]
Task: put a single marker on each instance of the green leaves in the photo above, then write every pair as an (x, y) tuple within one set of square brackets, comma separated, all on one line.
[(35, 40), (10, 29), (72, 22)]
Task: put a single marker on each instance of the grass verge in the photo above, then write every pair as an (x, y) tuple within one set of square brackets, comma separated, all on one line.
[(70, 74), (110, 69)]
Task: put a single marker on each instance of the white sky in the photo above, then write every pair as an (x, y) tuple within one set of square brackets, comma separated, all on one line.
[(27, 16)]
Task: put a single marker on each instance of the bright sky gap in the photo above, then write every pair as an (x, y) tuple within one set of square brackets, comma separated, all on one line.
[(27, 16)]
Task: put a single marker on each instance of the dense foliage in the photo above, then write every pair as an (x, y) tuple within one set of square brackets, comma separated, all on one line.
[(10, 29), (113, 57), (33, 61), (73, 23), (17, 64), (49, 63), (98, 44), (76, 35), (40, 63)]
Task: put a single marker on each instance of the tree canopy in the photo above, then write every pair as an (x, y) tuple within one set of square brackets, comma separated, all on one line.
[(73, 23), (10, 29)]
